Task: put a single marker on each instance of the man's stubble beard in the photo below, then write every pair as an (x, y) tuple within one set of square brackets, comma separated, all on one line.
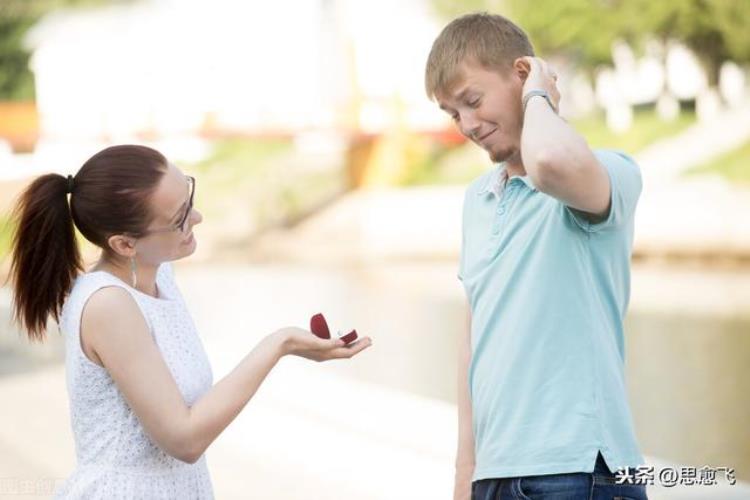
[(505, 155), (510, 153)]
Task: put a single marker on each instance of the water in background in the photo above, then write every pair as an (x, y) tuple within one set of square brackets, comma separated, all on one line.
[(687, 339)]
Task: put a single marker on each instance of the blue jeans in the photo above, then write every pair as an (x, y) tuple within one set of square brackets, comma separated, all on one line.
[(598, 485)]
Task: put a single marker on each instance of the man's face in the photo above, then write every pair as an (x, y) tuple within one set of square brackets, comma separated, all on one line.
[(486, 108)]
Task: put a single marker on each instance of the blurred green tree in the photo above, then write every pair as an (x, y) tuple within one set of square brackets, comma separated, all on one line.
[(16, 17), (716, 30), (584, 29)]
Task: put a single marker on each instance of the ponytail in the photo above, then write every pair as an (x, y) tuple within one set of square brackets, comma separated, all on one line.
[(110, 195), (45, 255)]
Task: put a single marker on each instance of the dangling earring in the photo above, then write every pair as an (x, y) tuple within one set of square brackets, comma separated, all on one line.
[(133, 276)]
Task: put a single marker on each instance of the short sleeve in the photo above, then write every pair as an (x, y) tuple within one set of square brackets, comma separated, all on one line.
[(461, 265), (463, 254), (625, 189)]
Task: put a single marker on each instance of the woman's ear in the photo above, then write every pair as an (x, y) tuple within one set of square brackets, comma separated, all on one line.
[(123, 246)]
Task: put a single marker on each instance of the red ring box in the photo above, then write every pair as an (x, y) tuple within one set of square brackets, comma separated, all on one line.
[(349, 337), (319, 327)]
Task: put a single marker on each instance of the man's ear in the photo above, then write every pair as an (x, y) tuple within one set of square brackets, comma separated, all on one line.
[(522, 68), (123, 246)]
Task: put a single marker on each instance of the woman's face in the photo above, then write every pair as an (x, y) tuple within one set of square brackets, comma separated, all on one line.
[(165, 239)]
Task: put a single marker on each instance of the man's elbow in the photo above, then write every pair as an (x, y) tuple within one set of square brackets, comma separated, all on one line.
[(554, 167), (544, 170)]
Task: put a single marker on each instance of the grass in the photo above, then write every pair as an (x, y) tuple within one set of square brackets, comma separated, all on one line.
[(243, 153), (235, 161), (259, 180), (441, 165), (235, 167), (647, 128), (733, 165), (6, 232), (444, 166)]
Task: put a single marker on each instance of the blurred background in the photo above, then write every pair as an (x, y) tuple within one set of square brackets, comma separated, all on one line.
[(329, 182)]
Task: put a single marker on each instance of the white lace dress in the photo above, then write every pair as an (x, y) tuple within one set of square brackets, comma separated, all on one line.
[(115, 456)]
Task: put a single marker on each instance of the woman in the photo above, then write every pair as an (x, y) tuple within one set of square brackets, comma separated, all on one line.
[(143, 404)]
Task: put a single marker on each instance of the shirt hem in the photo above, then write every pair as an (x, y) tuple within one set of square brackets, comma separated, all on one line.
[(585, 466)]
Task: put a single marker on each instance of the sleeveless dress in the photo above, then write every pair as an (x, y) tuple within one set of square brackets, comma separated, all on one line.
[(115, 457)]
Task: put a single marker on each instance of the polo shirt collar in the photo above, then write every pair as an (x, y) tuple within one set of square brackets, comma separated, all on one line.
[(527, 180), (498, 178)]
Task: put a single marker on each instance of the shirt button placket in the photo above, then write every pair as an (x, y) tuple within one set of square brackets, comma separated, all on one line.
[(502, 207)]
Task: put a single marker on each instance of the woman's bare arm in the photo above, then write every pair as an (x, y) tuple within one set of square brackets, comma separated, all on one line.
[(113, 326)]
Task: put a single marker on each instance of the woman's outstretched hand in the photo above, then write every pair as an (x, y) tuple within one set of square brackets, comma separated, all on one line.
[(301, 342)]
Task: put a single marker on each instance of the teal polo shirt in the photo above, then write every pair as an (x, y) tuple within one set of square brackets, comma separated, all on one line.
[(548, 292)]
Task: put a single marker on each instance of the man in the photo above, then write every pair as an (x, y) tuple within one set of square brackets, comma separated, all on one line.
[(547, 237)]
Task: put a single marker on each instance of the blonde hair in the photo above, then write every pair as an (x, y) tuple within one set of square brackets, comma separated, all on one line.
[(490, 40)]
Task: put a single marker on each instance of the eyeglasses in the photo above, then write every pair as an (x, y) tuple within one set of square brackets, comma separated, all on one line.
[(182, 225)]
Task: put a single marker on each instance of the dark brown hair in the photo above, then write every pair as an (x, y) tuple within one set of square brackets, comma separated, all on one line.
[(110, 195), (490, 40)]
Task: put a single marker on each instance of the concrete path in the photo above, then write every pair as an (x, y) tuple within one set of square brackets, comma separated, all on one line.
[(306, 435), (694, 215)]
